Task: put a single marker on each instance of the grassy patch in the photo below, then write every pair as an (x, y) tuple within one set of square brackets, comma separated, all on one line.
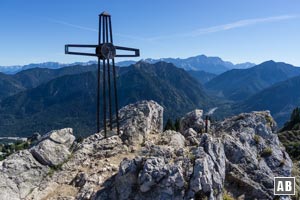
[(10, 148), (50, 172), (256, 139), (291, 142), (192, 157), (296, 173), (227, 197), (54, 169), (269, 120), (266, 152)]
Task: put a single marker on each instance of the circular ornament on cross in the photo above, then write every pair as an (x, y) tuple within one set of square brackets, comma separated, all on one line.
[(106, 51)]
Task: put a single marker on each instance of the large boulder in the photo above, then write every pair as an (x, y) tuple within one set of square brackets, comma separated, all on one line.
[(192, 120), (54, 147), (20, 173), (139, 119), (191, 137), (254, 155), (172, 139)]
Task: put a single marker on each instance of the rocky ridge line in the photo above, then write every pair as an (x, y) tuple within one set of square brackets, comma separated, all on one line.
[(239, 155)]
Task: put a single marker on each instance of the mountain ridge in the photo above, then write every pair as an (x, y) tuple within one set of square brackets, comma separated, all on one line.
[(211, 64), (70, 99), (145, 162), (240, 84), (280, 99), (11, 84), (200, 62), (49, 65)]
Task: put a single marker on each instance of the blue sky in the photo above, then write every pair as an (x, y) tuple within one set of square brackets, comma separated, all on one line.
[(34, 31)]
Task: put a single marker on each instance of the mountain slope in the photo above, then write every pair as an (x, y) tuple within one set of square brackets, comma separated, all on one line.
[(27, 79), (58, 103), (170, 86), (9, 86), (280, 99), (33, 77), (202, 76), (239, 84), (70, 100)]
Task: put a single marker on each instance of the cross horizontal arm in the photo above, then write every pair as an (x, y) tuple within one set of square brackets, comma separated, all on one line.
[(67, 46), (136, 52), (67, 51)]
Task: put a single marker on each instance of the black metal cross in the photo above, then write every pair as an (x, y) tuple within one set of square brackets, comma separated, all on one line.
[(105, 51)]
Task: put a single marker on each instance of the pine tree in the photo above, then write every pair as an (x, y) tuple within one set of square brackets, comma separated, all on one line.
[(169, 125), (177, 125), (294, 121)]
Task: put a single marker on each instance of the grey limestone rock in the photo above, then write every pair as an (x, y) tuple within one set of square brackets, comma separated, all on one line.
[(239, 155), (54, 147), (20, 173), (139, 119), (192, 120)]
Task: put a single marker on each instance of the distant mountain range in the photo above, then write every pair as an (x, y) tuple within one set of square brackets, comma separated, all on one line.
[(69, 100), (42, 99), (49, 65), (240, 84), (213, 65)]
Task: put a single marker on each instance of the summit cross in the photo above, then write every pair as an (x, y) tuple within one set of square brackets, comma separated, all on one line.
[(105, 51)]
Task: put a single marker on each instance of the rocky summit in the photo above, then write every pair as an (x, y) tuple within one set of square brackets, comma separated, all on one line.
[(237, 158)]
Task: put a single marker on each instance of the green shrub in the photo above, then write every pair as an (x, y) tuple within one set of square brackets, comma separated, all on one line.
[(54, 169), (293, 123), (51, 172), (20, 146), (291, 142), (269, 119), (256, 139), (192, 157), (226, 196), (266, 152)]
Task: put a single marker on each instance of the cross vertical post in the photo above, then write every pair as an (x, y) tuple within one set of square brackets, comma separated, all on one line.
[(105, 51)]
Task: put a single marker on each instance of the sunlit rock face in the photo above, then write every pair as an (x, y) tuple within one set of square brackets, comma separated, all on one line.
[(239, 156)]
